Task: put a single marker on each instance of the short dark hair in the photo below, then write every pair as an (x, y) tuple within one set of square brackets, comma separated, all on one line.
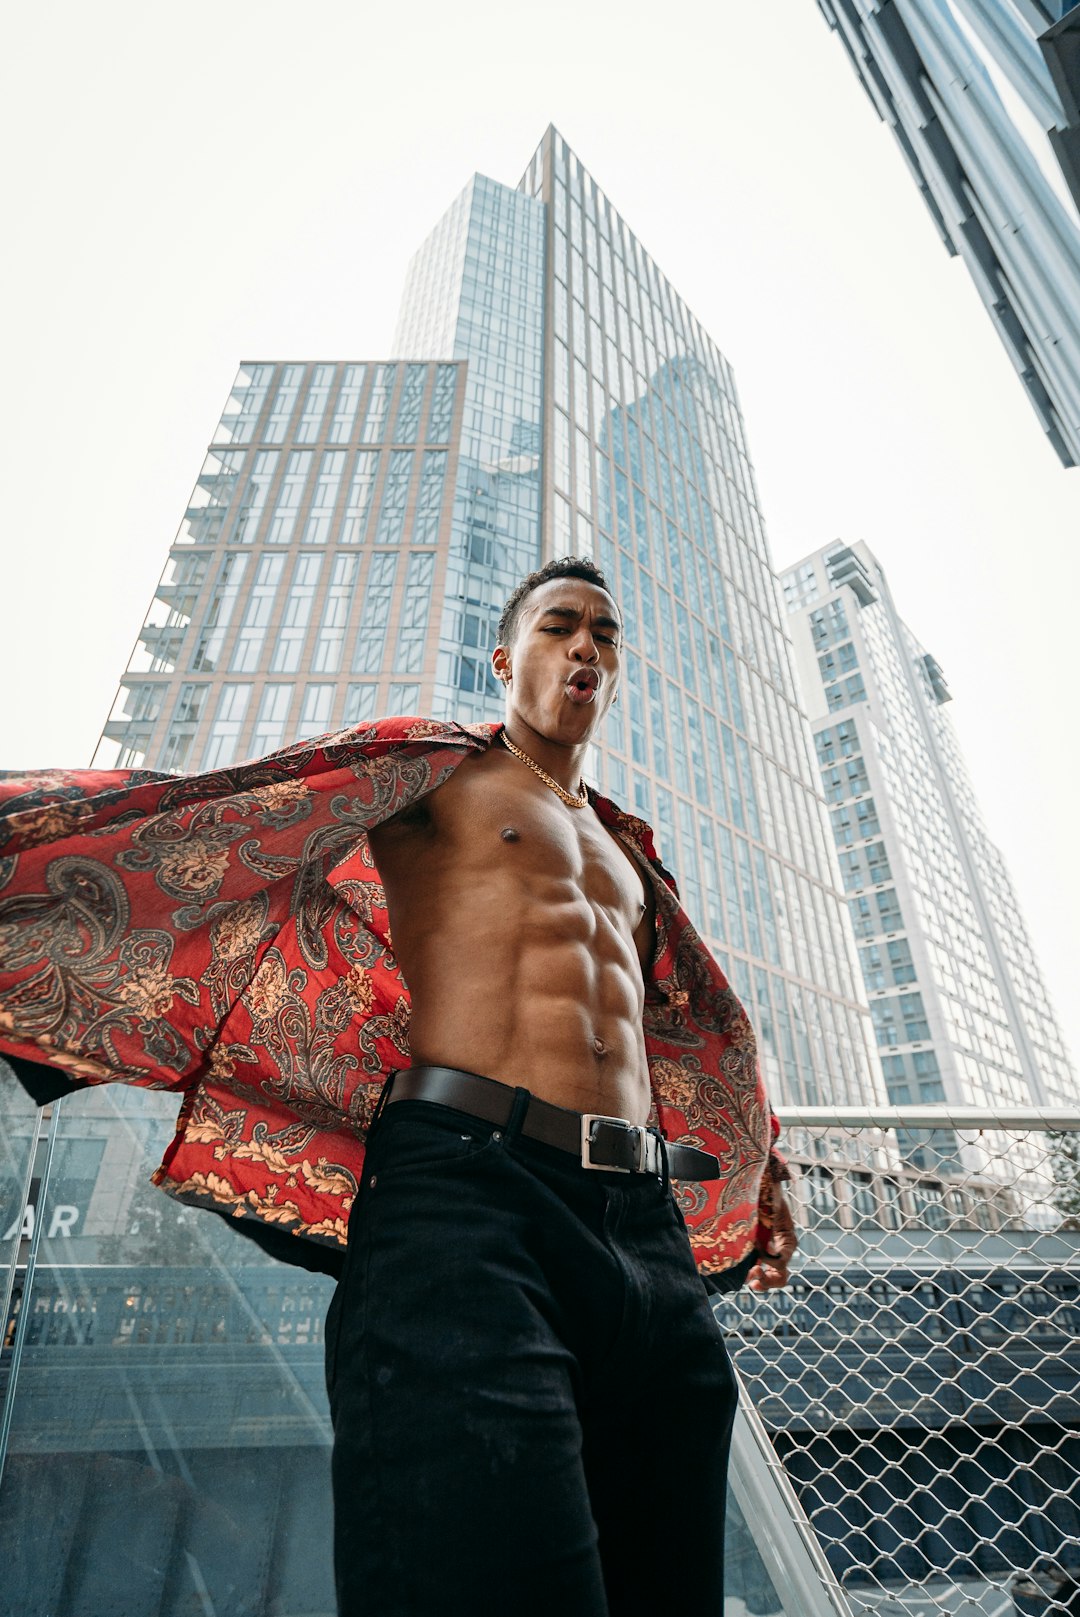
[(561, 567)]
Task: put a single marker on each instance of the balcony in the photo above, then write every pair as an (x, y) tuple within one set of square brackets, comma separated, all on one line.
[(845, 567)]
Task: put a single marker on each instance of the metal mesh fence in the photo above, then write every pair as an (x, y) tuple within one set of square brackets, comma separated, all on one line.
[(919, 1378)]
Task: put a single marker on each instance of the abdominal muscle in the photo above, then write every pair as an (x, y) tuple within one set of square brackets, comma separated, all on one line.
[(516, 973)]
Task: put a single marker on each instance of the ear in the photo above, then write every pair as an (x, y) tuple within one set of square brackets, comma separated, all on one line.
[(500, 663)]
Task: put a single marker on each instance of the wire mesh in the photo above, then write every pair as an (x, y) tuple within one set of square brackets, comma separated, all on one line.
[(919, 1378)]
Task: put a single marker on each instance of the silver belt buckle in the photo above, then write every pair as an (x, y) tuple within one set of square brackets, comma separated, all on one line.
[(639, 1129)]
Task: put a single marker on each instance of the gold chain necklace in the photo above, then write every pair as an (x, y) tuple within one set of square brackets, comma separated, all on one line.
[(579, 802)]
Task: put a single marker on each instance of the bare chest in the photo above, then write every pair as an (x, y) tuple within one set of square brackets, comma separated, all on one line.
[(542, 839), (488, 829)]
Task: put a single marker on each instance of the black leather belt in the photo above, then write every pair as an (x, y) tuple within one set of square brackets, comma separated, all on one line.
[(610, 1143)]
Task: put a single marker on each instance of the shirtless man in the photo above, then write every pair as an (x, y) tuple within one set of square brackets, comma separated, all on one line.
[(532, 1402)]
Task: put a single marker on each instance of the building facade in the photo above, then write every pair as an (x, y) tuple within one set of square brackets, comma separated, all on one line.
[(960, 1010), (983, 97), (297, 594)]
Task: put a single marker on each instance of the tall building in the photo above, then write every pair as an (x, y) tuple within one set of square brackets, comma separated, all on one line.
[(960, 1010), (983, 97), (297, 593)]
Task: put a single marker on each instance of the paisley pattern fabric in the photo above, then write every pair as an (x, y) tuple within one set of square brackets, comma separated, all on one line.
[(226, 936)]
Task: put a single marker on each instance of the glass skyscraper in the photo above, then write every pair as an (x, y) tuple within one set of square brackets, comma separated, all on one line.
[(983, 97), (601, 419), (351, 539), (960, 1010)]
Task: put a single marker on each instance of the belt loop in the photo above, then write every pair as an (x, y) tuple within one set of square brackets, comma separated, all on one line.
[(384, 1096), (665, 1177), (518, 1110)]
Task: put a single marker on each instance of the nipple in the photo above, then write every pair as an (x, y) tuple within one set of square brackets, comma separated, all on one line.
[(508, 834)]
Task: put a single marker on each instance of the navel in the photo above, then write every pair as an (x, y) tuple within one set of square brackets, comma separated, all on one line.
[(509, 834), (600, 1047)]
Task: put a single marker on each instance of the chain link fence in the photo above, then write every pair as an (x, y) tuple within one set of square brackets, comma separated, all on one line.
[(919, 1379)]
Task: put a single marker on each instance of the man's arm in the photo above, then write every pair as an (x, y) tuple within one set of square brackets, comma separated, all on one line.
[(771, 1269)]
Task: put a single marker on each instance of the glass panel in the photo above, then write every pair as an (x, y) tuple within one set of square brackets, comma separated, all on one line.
[(169, 1450), (18, 1132)]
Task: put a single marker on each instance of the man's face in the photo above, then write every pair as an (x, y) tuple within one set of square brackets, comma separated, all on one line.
[(562, 669)]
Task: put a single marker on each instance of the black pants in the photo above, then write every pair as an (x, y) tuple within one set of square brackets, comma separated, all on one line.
[(532, 1402)]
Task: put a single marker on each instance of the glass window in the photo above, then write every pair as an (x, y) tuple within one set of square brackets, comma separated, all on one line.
[(391, 521), (245, 402), (255, 496), (138, 703), (562, 451), (343, 424), (914, 1015), (888, 905), (862, 1199), (224, 737), (358, 504), (877, 861), (360, 702), (882, 1013), (290, 497), (297, 614), (442, 404), (189, 710), (324, 498), (315, 404), (415, 606), (403, 700), (260, 606), (583, 472), (900, 962), (339, 599), (208, 647), (284, 403), (317, 709), (374, 429), (818, 1195), (407, 424), (273, 715), (430, 499), (371, 634), (872, 968)]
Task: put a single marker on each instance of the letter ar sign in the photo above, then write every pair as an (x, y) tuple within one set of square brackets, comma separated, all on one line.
[(62, 1221)]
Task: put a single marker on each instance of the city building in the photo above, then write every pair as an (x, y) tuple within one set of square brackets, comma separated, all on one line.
[(959, 1007), (983, 97)]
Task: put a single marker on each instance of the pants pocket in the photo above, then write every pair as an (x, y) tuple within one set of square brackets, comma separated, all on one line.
[(410, 1143)]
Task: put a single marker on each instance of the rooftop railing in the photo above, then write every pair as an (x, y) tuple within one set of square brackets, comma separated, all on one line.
[(913, 1396)]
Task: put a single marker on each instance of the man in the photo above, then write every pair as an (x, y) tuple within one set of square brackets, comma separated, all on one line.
[(532, 1403)]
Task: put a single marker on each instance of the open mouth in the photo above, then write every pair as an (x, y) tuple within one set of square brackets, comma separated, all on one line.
[(583, 686)]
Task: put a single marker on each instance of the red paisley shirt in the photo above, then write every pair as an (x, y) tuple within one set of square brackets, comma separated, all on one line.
[(226, 936)]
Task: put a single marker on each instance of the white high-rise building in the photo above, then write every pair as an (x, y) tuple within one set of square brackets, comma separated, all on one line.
[(960, 1010)]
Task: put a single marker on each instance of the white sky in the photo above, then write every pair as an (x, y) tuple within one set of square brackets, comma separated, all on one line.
[(194, 185)]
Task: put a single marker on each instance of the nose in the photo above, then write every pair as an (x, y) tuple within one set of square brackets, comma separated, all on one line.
[(583, 648)]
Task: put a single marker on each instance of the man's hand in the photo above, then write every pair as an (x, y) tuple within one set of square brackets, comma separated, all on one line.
[(771, 1271)]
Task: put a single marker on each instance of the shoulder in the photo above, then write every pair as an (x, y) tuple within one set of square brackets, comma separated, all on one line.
[(457, 798)]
